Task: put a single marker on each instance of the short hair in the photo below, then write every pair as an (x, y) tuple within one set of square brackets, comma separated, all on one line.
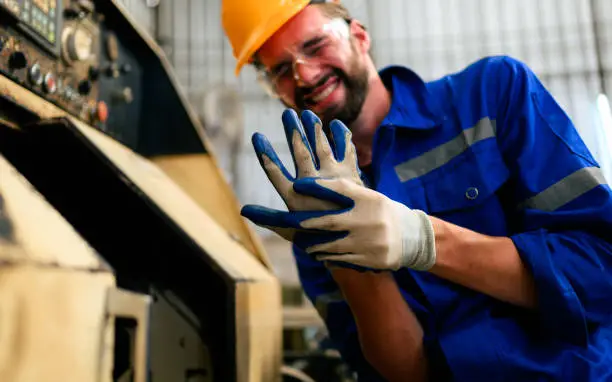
[(333, 10)]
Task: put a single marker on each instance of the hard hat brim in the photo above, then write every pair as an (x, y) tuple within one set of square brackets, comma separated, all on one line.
[(265, 31)]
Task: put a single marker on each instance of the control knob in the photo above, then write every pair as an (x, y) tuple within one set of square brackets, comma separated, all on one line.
[(124, 95), (112, 70), (35, 75), (18, 60), (94, 73), (77, 44), (85, 87)]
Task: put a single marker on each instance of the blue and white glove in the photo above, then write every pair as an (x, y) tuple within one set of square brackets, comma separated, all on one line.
[(369, 230), (338, 219), (313, 156)]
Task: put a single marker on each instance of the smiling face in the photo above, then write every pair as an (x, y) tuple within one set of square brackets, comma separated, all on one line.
[(318, 63)]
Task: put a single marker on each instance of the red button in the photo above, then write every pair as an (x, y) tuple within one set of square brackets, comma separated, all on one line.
[(49, 85), (101, 111)]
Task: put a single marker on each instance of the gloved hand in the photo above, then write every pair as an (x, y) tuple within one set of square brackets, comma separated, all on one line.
[(370, 230), (360, 226), (313, 156)]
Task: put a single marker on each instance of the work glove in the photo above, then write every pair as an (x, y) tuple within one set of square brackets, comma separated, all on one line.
[(338, 219), (313, 156), (369, 230)]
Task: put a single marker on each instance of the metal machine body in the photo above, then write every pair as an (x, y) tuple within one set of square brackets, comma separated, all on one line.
[(123, 256)]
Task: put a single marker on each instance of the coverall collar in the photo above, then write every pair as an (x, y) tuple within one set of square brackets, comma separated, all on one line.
[(412, 105)]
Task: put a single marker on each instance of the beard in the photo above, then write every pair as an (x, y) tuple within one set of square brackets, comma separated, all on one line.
[(356, 87)]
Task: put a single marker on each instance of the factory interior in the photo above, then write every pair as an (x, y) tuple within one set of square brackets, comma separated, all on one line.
[(126, 156)]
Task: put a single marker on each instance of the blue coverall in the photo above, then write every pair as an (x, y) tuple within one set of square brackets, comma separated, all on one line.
[(489, 149)]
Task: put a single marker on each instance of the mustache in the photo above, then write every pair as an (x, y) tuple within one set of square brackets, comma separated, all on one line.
[(304, 91), (307, 90)]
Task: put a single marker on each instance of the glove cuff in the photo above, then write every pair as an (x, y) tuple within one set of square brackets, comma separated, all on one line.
[(419, 242), (428, 248)]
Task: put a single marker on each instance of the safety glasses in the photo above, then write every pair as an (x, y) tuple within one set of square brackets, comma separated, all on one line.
[(319, 47)]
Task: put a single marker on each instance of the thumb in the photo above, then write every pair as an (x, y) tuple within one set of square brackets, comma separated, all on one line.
[(268, 217), (272, 165)]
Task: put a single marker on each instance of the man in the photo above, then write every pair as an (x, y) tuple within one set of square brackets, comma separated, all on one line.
[(482, 249)]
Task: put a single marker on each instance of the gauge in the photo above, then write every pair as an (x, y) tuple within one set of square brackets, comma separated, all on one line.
[(76, 44), (112, 47)]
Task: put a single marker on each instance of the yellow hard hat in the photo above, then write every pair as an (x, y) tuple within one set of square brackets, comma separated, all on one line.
[(249, 23)]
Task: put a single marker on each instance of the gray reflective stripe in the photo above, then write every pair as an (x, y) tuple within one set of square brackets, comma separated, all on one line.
[(566, 190), (439, 156), (324, 300)]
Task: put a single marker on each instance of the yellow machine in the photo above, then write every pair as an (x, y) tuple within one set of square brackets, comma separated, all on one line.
[(123, 256)]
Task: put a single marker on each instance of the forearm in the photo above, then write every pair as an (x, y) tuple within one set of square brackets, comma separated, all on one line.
[(390, 335), (490, 265)]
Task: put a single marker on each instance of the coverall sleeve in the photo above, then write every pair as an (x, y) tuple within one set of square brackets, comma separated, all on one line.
[(563, 231)]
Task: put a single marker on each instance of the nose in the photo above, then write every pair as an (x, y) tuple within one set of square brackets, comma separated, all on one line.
[(304, 73)]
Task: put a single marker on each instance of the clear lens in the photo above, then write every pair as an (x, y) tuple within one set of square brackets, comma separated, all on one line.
[(319, 47), (266, 84)]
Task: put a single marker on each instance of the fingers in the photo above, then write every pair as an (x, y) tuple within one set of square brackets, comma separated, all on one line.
[(330, 222), (310, 121), (285, 233), (313, 127), (301, 151), (287, 225), (349, 156), (269, 217), (275, 170), (342, 139), (263, 147), (338, 191), (307, 239), (337, 247), (345, 153)]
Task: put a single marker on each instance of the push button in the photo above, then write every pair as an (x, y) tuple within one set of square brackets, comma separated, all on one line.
[(101, 112), (35, 75), (471, 193), (49, 84)]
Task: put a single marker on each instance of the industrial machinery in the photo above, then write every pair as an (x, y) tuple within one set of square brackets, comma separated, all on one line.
[(123, 256)]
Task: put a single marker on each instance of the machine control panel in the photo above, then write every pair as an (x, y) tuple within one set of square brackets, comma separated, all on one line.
[(57, 49), (89, 59)]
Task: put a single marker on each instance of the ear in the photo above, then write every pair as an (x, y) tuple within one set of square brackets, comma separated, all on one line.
[(361, 36)]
